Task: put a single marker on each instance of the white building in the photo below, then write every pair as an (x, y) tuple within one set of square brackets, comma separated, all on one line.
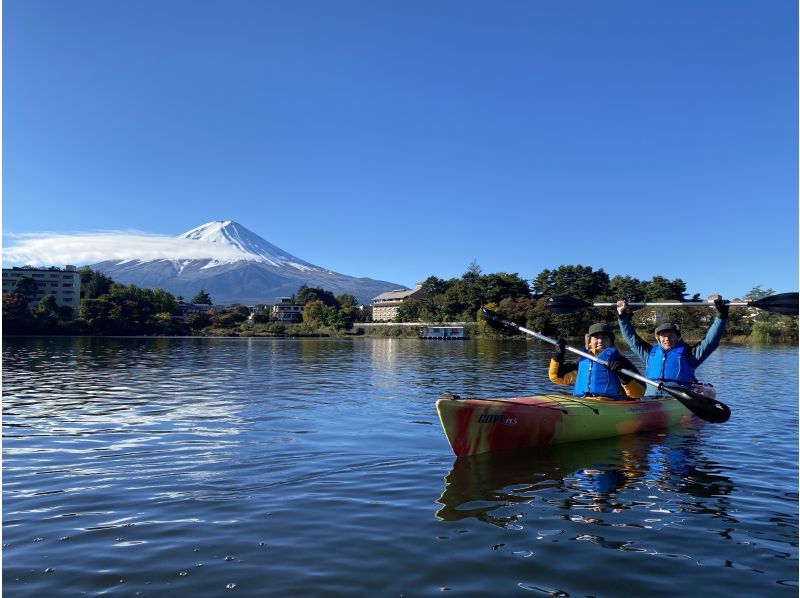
[(386, 305), (64, 285), (287, 312)]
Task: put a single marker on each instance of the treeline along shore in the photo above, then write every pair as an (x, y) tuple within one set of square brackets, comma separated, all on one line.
[(108, 308)]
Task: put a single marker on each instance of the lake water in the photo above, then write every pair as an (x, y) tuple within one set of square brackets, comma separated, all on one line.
[(210, 467)]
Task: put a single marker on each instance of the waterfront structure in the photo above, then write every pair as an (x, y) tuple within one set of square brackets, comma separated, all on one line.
[(386, 305), (443, 332), (287, 311), (64, 285)]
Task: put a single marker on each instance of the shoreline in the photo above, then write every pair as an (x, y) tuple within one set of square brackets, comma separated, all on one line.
[(737, 341)]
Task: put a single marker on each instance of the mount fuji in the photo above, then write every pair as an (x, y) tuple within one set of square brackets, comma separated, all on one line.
[(237, 266)]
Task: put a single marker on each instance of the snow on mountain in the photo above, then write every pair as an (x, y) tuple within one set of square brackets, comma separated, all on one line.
[(238, 267), (227, 232)]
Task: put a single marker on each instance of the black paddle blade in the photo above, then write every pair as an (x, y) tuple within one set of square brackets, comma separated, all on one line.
[(565, 304), (710, 410), (496, 320), (783, 303)]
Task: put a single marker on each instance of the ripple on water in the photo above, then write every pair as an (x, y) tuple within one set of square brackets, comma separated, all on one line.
[(201, 466)]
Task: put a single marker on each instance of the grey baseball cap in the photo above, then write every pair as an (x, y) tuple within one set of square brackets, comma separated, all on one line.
[(601, 328), (669, 326)]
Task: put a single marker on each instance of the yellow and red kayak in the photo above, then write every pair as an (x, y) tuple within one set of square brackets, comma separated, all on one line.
[(476, 426)]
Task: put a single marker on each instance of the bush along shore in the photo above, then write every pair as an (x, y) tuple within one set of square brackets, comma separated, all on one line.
[(111, 309)]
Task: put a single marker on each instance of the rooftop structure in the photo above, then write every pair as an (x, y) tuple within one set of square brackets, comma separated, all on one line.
[(386, 305)]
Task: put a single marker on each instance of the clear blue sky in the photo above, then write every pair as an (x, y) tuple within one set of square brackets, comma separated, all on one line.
[(397, 140)]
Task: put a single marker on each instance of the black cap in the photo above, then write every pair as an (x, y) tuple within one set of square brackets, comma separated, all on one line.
[(667, 327), (601, 328)]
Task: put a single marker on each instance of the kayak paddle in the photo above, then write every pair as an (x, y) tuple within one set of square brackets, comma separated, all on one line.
[(710, 410), (783, 303)]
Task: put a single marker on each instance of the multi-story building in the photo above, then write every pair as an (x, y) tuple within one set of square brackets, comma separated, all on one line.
[(287, 311), (64, 285), (386, 305)]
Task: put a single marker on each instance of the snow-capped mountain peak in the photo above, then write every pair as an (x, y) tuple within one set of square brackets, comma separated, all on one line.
[(232, 264), (251, 246)]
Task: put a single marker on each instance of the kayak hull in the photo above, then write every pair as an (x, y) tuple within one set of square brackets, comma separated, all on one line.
[(474, 426)]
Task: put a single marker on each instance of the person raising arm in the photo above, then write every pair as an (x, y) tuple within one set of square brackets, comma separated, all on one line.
[(671, 360)]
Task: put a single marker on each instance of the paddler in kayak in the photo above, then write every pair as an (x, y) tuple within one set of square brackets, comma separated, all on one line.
[(594, 379), (671, 360)]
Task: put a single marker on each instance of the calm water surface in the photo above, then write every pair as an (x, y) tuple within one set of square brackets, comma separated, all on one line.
[(272, 467)]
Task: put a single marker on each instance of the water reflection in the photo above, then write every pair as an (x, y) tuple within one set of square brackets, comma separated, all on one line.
[(601, 476)]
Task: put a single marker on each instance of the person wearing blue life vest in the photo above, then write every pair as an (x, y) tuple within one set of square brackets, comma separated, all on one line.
[(594, 379), (671, 360)]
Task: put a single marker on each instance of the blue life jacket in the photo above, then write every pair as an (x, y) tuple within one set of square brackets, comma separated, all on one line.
[(670, 366), (595, 379)]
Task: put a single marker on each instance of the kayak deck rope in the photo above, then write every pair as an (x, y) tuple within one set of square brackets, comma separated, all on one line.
[(574, 402)]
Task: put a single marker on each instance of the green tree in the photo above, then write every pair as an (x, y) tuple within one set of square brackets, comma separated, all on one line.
[(96, 313), (350, 315), (306, 294), (347, 300), (625, 287), (409, 311), (26, 288), (16, 315), (46, 311), (757, 293), (94, 284), (662, 289), (198, 321), (130, 310), (164, 323), (460, 298), (241, 312), (202, 298), (334, 318), (433, 299), (231, 318), (164, 302), (579, 281), (261, 317), (496, 287), (314, 312), (65, 313)]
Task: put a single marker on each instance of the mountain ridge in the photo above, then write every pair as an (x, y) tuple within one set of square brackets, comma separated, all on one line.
[(256, 271)]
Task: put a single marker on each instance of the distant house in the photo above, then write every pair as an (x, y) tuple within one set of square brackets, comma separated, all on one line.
[(287, 311), (188, 309), (386, 305), (64, 285)]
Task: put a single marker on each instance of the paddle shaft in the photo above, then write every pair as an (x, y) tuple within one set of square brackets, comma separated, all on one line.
[(783, 303), (674, 304)]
